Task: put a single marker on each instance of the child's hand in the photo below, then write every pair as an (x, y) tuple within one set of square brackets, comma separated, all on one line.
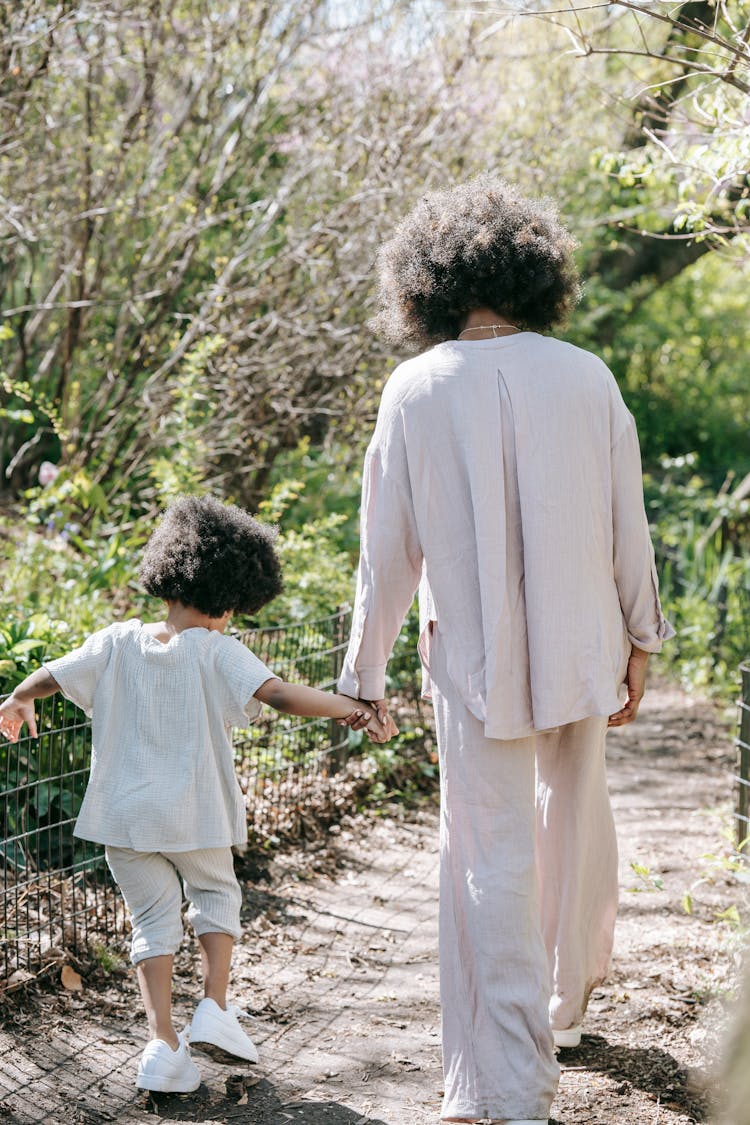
[(13, 714)]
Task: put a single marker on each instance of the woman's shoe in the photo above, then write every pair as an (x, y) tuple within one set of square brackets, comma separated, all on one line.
[(497, 1120), (568, 1037)]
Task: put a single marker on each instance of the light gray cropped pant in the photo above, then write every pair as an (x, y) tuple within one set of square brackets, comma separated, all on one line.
[(151, 884), (496, 973)]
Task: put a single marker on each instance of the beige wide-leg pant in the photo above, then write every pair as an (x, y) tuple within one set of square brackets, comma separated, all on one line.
[(576, 862), (495, 982)]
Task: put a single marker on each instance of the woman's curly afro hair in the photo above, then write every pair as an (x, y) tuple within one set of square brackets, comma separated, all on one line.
[(213, 557), (480, 244)]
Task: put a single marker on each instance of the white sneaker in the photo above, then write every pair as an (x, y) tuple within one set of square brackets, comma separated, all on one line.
[(171, 1072), (217, 1032), (568, 1037)]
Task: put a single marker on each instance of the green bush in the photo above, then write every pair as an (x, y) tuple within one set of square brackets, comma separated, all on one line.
[(44, 781), (704, 568)]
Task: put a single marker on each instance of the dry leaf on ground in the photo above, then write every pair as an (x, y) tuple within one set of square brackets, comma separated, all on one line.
[(70, 979)]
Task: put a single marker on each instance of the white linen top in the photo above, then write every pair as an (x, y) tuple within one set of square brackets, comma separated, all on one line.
[(162, 766), (505, 473)]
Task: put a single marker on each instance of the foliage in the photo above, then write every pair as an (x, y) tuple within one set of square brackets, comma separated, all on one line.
[(69, 566), (23, 646), (108, 958), (180, 455), (72, 565), (682, 71), (193, 202), (647, 881), (405, 769), (318, 575), (704, 566), (44, 782), (314, 482), (194, 195), (682, 363)]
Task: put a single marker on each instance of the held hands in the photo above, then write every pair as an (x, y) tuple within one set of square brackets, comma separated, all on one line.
[(367, 721), (13, 714), (635, 682), (363, 719)]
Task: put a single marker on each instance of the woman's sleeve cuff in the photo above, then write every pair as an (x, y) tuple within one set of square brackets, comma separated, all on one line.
[(363, 683), (653, 642)]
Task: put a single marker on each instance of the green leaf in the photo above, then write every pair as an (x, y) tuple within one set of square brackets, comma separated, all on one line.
[(46, 793), (23, 416), (731, 915), (31, 644), (13, 854)]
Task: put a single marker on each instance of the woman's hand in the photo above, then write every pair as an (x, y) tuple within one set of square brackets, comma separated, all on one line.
[(380, 706), (635, 682)]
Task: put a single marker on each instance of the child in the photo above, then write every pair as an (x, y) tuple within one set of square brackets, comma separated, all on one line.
[(163, 796)]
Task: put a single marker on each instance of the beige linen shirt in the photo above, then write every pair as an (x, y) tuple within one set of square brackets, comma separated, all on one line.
[(505, 475), (162, 765)]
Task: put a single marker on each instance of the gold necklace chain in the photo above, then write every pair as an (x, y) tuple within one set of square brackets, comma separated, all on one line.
[(487, 327)]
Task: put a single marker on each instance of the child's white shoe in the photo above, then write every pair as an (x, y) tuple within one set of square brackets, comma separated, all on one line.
[(170, 1072), (217, 1031)]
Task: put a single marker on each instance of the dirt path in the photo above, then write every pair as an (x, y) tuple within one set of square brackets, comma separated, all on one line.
[(338, 970)]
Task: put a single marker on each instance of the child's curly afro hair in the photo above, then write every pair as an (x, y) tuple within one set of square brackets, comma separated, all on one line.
[(213, 557), (478, 245)]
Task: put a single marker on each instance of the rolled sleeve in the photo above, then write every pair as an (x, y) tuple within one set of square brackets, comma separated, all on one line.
[(634, 564)]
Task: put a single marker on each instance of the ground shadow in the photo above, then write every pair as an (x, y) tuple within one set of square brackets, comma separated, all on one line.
[(278, 909), (252, 1102), (650, 1069)]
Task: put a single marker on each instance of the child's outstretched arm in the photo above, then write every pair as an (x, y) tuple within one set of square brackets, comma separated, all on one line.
[(18, 708), (298, 699)]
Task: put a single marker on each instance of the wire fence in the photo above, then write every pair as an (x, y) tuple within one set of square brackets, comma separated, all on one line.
[(57, 895), (742, 777), (285, 764)]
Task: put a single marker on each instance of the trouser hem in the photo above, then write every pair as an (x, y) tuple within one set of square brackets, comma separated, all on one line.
[(210, 927), (525, 1113), (147, 954)]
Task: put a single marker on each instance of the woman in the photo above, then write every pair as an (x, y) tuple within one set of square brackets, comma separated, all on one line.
[(504, 480)]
